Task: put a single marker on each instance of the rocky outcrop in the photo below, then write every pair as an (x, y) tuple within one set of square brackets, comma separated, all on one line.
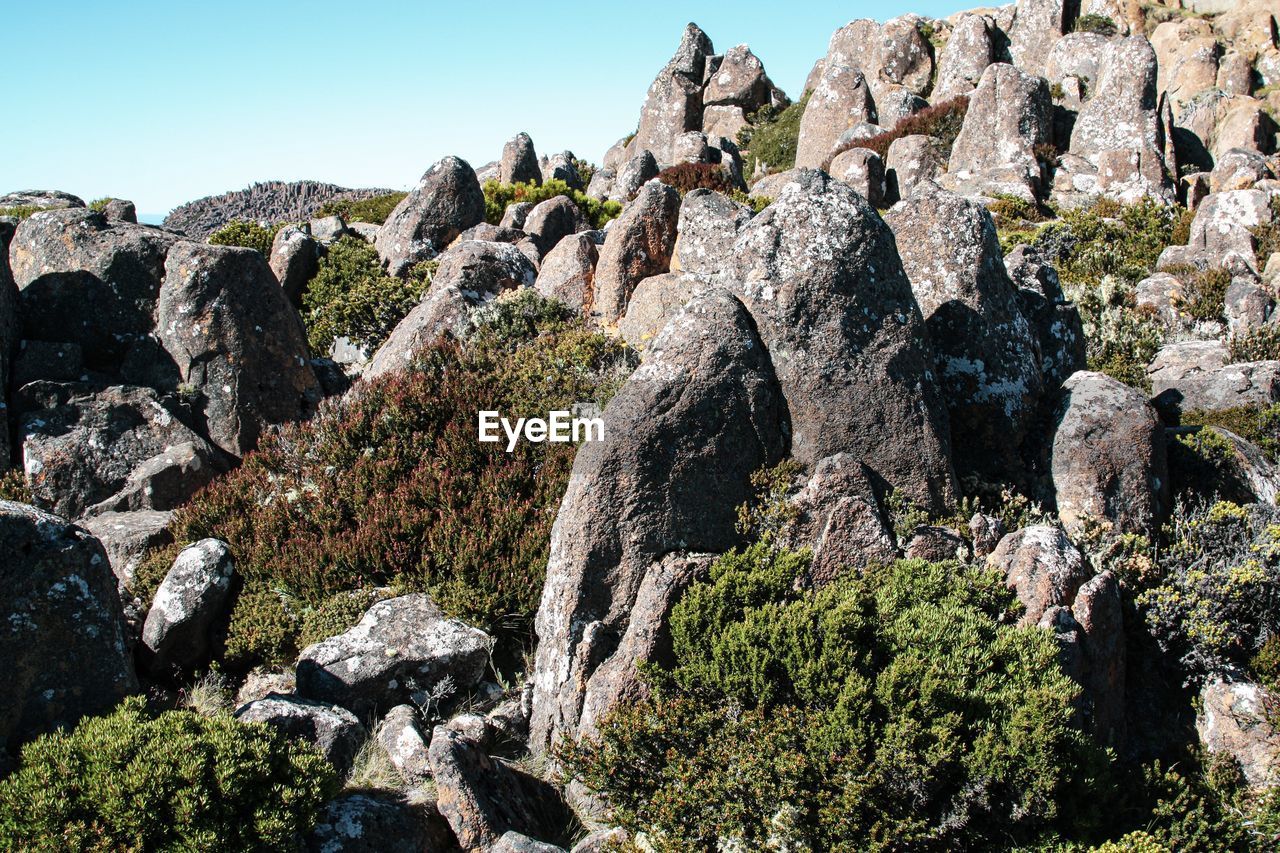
[(402, 646), (295, 259), (272, 202), (551, 221), (700, 414), (912, 162), (519, 163), (638, 244), (674, 102), (966, 55), (1037, 25), (1235, 719), (334, 731), (986, 356), (401, 736), (863, 170), (192, 595), (236, 341), (471, 274), (1193, 375), (371, 821), (1042, 567), (1097, 610), (568, 272), (655, 301), (447, 201), (63, 640), (1109, 466), (1054, 321), (707, 228), (841, 100)]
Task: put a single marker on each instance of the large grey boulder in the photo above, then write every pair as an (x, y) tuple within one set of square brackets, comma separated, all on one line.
[(192, 595), (561, 167), (82, 444), (1182, 382), (1042, 567), (86, 281), (632, 175), (967, 53), (862, 169), (841, 100), (402, 646), (551, 221), (1009, 116), (568, 272), (700, 414), (655, 300), (1054, 321), (740, 81), (1075, 63), (706, 230), (1037, 25), (674, 102), (820, 273), (484, 798), (637, 245), (471, 274), (519, 163), (447, 201), (401, 737), (913, 161), (334, 731), (128, 537), (295, 260), (1098, 611), (1109, 466), (235, 340), (63, 640), (1187, 52), (1235, 720), (371, 821), (987, 358), (1223, 231)]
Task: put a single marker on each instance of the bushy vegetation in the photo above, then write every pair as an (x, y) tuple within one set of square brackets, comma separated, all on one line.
[(100, 204), (352, 296), (890, 710), (498, 196), (687, 177), (771, 137), (374, 209), (1267, 236), (1204, 294), (1120, 340), (1260, 344), (247, 234), (1095, 23), (20, 211), (390, 487), (1258, 424), (942, 121), (177, 781)]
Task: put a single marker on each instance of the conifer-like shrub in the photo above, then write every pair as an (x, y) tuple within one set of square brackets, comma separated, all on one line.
[(177, 781), (498, 196), (246, 234), (772, 137)]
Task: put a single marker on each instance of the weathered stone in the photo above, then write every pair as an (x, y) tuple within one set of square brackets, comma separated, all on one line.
[(192, 595), (968, 52), (741, 81), (841, 100), (63, 642), (1183, 378), (333, 730), (638, 244), (1042, 566), (379, 822), (1188, 59), (41, 199), (912, 161), (401, 736), (633, 175), (819, 272), (655, 300), (724, 121), (1037, 26), (1247, 306), (327, 229), (295, 259), (602, 840), (512, 218), (985, 532), (568, 272), (1224, 226), (1054, 321), (1235, 719), (82, 280), (120, 210), (986, 356), (470, 275), (261, 683), (551, 221), (1097, 610), (127, 537), (519, 163), (862, 169), (935, 544), (706, 229), (673, 104), (236, 340), (562, 167), (1009, 116), (446, 202), (400, 647), (1108, 464), (483, 798), (1239, 169), (1078, 56), (82, 445), (698, 416)]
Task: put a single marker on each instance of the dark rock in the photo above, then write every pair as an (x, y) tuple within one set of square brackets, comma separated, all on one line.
[(514, 842), (63, 644), (1190, 376), (272, 202), (328, 229), (380, 822), (840, 101), (551, 221), (1097, 609), (42, 199), (562, 167), (935, 544), (1054, 321), (741, 81), (638, 244), (519, 163), (165, 481), (1042, 566), (568, 272), (862, 169), (985, 532), (58, 362), (402, 738), (236, 340), (192, 595), (912, 161), (699, 415), (706, 230), (127, 537), (447, 201), (514, 216), (332, 730), (633, 175), (119, 210), (400, 647), (673, 104), (295, 260)]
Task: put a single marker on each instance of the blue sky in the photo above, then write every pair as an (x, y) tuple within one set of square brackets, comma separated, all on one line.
[(164, 102)]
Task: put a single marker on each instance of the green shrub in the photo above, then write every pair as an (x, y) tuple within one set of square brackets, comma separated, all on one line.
[(1260, 344), (1217, 598), (1094, 23), (1200, 466), (179, 781), (390, 487), (351, 296), (687, 177), (1204, 294), (335, 615), (1109, 239), (374, 209), (263, 629), (1258, 424), (498, 196), (21, 211), (942, 121), (1267, 236), (1010, 210), (771, 137), (887, 711), (1120, 340), (249, 235), (14, 487), (100, 204)]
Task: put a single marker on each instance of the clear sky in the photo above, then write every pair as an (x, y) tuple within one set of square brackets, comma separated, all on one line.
[(165, 102)]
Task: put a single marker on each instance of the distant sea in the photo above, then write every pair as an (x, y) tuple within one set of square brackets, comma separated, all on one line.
[(151, 218)]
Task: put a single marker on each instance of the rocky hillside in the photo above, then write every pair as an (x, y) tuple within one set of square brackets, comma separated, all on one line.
[(934, 505), (269, 202)]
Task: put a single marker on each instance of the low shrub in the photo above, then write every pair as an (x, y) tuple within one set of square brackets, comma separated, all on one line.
[(249, 235), (1204, 294), (100, 204), (1108, 238), (771, 137), (14, 487), (942, 121), (374, 209), (498, 196), (1260, 344), (390, 487), (1094, 23), (1120, 340), (20, 211), (1011, 210), (178, 781), (889, 710), (687, 177), (352, 297), (1258, 424), (1267, 235)]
